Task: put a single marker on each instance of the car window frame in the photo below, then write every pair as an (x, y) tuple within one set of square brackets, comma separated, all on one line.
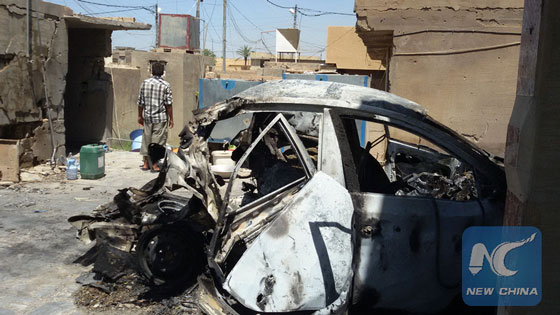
[(415, 129), (299, 148)]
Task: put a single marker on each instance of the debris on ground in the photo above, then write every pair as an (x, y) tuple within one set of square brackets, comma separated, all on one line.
[(130, 293), (43, 172)]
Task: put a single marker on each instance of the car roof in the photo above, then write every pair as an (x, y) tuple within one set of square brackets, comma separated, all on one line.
[(308, 95), (331, 94)]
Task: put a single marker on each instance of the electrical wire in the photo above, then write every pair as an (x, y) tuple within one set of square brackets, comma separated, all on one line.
[(455, 52), (147, 8), (318, 12), (83, 7), (457, 31), (237, 29), (210, 23), (113, 5), (114, 11), (277, 5), (243, 15), (334, 41)]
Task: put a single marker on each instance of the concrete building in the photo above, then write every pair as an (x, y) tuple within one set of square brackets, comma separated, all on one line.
[(259, 59), (130, 67), (348, 53), (55, 81), (457, 58), (533, 145)]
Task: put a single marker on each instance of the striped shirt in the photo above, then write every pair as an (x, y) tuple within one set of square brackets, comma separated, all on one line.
[(155, 94)]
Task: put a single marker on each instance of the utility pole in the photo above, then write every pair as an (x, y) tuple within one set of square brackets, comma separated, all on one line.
[(295, 16), (198, 18), (28, 17), (224, 39), (157, 27), (205, 30)]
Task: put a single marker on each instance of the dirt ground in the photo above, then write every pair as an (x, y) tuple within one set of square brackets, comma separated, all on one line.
[(37, 244)]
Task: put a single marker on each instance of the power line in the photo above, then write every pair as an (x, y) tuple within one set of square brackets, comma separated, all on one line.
[(112, 5), (114, 11), (318, 12), (210, 21), (312, 44), (265, 46), (83, 7), (243, 15), (148, 8), (237, 29), (277, 5)]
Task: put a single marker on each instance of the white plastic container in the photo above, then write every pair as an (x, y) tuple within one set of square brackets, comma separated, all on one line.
[(222, 158), (223, 170)]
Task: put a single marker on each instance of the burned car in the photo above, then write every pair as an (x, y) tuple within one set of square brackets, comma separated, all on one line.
[(310, 216)]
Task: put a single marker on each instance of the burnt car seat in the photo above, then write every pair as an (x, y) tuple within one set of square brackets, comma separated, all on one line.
[(371, 176)]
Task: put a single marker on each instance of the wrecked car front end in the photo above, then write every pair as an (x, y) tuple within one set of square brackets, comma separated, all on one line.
[(309, 219)]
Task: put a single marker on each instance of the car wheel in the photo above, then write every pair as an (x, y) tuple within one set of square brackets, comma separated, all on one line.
[(169, 254)]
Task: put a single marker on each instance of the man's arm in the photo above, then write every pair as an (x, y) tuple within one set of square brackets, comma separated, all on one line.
[(141, 104), (141, 115), (168, 105), (169, 109)]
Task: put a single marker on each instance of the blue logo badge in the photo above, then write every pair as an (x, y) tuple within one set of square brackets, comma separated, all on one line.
[(502, 266)]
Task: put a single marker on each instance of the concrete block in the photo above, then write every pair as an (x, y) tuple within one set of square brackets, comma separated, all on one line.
[(9, 164), (30, 177), (212, 75), (272, 72), (42, 148)]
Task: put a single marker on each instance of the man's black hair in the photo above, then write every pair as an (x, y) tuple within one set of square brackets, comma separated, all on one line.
[(157, 68)]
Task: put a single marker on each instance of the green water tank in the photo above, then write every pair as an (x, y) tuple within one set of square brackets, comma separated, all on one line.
[(92, 161)]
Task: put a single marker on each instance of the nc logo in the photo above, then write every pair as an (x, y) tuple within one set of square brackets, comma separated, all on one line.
[(496, 260)]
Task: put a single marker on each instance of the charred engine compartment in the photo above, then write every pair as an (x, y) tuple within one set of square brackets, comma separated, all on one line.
[(141, 226)]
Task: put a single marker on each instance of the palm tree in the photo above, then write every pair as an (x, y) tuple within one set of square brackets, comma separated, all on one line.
[(208, 52), (211, 54), (244, 52)]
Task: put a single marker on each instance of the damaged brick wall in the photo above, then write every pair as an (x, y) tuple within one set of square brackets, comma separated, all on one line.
[(23, 104), (457, 58)]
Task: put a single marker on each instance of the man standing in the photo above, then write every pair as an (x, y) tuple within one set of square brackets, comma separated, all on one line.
[(154, 111)]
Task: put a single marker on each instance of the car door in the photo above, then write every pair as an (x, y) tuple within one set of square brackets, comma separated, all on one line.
[(302, 260), (407, 249)]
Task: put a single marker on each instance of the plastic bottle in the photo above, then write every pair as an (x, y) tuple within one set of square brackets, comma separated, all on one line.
[(71, 168)]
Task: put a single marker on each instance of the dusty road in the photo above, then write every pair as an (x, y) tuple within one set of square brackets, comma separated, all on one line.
[(38, 246)]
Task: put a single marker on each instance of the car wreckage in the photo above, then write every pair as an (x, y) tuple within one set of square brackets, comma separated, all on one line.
[(312, 219)]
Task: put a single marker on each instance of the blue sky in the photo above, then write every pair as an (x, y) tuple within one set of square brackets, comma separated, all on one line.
[(251, 17)]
